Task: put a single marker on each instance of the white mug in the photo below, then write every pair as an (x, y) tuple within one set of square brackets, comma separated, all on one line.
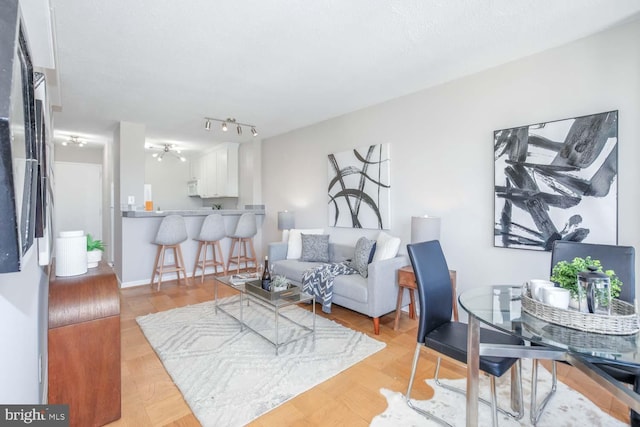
[(556, 297), (536, 285)]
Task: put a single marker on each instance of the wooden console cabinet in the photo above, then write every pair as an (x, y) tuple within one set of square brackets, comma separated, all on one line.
[(84, 346)]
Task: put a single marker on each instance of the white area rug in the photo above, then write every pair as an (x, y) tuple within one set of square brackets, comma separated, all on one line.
[(566, 408), (229, 377)]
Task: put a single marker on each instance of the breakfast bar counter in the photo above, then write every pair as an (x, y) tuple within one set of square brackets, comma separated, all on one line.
[(139, 229), (189, 212)]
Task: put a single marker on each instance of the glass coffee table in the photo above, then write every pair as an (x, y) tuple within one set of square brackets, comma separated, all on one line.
[(262, 306)]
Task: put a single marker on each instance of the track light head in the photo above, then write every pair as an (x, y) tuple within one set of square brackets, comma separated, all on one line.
[(224, 126), (239, 129), (207, 125), (254, 132)]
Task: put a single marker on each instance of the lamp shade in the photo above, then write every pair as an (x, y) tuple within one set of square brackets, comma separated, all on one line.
[(424, 228), (286, 220)]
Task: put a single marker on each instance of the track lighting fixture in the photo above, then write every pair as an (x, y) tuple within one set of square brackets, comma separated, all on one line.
[(168, 149), (74, 140), (230, 122)]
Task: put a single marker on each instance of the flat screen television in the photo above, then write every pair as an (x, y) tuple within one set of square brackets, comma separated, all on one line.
[(18, 154)]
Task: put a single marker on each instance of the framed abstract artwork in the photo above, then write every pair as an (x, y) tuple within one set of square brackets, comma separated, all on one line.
[(557, 180), (359, 188), (17, 144)]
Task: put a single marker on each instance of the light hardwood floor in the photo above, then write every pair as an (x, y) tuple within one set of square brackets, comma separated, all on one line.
[(352, 398)]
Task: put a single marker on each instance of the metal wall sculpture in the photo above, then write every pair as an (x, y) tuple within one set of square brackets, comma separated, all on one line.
[(557, 180), (359, 188)]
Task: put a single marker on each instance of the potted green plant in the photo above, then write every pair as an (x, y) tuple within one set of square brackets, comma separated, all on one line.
[(565, 274), (94, 251)]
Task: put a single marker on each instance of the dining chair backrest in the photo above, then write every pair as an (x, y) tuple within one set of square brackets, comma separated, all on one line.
[(212, 228), (246, 226), (620, 259), (434, 286), (172, 231)]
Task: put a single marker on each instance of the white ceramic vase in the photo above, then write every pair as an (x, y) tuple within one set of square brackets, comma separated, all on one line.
[(93, 258)]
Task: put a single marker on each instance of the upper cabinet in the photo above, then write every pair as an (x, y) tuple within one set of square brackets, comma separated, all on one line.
[(217, 172)]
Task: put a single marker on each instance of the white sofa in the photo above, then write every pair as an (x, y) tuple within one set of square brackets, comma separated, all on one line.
[(374, 296)]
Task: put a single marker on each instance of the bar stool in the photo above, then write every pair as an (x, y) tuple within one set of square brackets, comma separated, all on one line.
[(243, 234), (211, 232), (171, 233)]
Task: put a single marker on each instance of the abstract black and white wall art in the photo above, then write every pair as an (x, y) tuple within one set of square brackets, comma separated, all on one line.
[(359, 188), (557, 180)]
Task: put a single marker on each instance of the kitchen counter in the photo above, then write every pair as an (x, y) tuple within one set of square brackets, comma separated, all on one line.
[(189, 212), (139, 229)]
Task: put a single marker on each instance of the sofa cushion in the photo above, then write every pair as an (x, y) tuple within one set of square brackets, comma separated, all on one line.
[(363, 255), (387, 247), (352, 286), (315, 247), (294, 247), (340, 252), (293, 269)]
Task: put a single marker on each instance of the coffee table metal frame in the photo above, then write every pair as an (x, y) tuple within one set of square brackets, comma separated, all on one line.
[(276, 305)]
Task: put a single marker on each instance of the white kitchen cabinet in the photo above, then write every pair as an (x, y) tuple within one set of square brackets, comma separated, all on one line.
[(219, 172)]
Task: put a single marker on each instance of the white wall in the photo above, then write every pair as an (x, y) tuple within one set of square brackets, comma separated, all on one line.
[(442, 151), (78, 155), (23, 328)]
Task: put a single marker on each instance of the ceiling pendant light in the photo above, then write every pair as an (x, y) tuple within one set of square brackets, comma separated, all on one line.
[(166, 149), (74, 140)]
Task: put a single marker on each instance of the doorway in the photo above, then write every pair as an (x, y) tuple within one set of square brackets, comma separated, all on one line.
[(78, 198)]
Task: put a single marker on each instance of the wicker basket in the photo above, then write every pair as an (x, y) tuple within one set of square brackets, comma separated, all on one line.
[(622, 321)]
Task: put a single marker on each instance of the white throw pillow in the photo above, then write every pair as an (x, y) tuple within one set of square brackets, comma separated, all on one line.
[(294, 248), (386, 247)]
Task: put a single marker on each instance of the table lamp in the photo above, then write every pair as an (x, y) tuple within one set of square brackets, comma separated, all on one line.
[(424, 228), (286, 221)]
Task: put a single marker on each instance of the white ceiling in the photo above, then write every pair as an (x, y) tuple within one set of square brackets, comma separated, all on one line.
[(284, 64)]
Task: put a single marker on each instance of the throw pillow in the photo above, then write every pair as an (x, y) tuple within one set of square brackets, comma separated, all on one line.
[(386, 247), (362, 256), (294, 246), (315, 247)]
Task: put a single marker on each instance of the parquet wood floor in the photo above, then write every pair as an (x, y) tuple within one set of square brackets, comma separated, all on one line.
[(352, 398)]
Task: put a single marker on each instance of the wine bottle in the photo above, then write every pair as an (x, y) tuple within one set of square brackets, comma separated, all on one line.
[(266, 275)]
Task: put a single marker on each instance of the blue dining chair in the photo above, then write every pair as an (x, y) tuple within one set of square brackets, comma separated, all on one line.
[(438, 332), (620, 259)]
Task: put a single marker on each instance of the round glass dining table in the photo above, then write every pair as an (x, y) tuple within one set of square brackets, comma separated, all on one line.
[(500, 307)]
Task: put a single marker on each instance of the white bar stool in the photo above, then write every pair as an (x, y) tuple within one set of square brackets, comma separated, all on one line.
[(171, 233), (243, 234), (211, 232)]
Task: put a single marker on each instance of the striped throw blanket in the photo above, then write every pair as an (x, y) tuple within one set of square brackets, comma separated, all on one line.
[(318, 281)]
